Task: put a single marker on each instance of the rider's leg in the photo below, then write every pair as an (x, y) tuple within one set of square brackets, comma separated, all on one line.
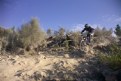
[(88, 38)]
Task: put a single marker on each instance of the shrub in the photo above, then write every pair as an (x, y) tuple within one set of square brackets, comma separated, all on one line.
[(7, 37), (113, 59), (31, 34), (2, 32), (49, 32), (118, 30), (13, 40), (61, 32), (118, 33), (103, 35), (76, 38), (102, 32)]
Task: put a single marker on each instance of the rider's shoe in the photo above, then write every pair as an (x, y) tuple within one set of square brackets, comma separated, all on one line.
[(88, 43)]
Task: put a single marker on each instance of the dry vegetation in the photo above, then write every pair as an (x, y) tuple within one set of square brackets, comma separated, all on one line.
[(31, 54)]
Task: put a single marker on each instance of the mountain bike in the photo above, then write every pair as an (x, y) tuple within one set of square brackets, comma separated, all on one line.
[(84, 40)]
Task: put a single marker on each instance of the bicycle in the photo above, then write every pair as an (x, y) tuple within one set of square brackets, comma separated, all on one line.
[(84, 40)]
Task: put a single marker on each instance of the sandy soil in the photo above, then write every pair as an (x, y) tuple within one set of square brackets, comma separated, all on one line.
[(20, 68), (41, 67)]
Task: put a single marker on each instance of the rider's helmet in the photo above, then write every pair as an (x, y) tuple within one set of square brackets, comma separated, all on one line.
[(86, 25)]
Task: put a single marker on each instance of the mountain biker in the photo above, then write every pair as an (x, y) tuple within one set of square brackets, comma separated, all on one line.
[(89, 31)]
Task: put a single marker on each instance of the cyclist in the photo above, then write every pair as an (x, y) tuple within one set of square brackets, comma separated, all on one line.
[(89, 31)]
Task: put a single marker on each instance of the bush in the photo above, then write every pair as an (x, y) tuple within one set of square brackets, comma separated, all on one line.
[(113, 59), (13, 40), (102, 32), (31, 34), (7, 37), (3, 32), (102, 35), (118, 30), (49, 32), (76, 38)]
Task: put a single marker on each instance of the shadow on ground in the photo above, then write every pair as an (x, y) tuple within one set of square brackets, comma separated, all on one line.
[(73, 53), (88, 70)]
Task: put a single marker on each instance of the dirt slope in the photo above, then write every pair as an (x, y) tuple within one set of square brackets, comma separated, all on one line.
[(41, 67)]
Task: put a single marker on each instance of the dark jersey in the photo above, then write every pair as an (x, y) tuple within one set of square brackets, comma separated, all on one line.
[(89, 29)]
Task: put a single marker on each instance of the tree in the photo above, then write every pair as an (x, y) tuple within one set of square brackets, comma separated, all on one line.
[(31, 34), (49, 32), (118, 30), (61, 32)]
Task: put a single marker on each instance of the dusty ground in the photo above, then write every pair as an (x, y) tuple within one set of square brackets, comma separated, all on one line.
[(41, 67)]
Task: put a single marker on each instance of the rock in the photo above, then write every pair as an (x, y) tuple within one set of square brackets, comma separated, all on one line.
[(61, 63), (0, 58), (84, 79), (91, 51), (43, 74), (0, 45), (37, 75), (17, 57), (13, 62), (39, 53), (21, 51), (86, 64), (28, 48), (109, 75), (83, 60), (3, 60), (119, 76), (60, 74), (9, 56), (106, 71), (85, 70), (18, 73), (42, 56), (112, 75), (66, 55)]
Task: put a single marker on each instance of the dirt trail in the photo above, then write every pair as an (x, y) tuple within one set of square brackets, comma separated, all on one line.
[(41, 67)]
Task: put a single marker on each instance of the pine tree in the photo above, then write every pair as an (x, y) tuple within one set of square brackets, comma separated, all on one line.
[(49, 32), (118, 30)]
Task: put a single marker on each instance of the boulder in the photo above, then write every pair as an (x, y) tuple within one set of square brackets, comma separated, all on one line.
[(20, 51), (30, 47), (66, 55)]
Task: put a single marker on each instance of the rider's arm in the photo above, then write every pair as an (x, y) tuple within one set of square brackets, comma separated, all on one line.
[(83, 30)]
